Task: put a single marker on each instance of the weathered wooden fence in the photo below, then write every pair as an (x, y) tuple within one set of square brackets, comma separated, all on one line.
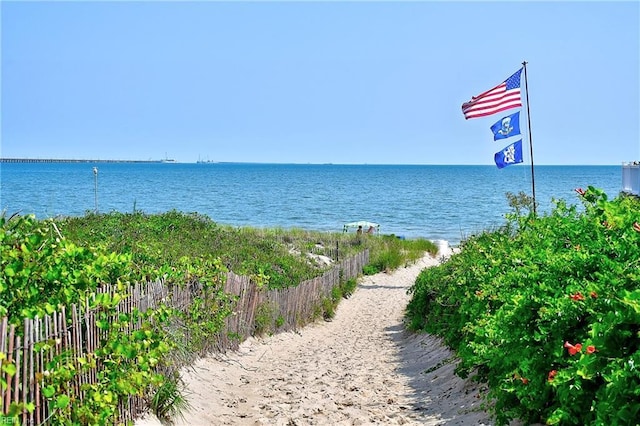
[(73, 332)]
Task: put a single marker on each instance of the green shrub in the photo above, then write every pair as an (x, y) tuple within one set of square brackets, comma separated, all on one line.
[(328, 308), (265, 319), (370, 269), (349, 287), (546, 311), (41, 270)]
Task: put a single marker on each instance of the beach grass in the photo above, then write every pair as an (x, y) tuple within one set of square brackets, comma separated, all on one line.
[(286, 256)]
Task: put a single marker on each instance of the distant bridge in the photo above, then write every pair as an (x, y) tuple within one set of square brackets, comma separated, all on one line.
[(59, 160)]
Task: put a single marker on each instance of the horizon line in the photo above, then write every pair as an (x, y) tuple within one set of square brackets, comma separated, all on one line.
[(172, 161)]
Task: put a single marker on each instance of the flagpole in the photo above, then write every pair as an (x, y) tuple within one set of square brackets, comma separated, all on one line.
[(533, 180)]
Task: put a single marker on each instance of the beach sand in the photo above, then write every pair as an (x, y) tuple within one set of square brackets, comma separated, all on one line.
[(361, 368)]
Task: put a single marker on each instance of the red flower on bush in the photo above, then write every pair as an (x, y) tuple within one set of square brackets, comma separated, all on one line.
[(580, 191), (593, 294), (636, 226), (552, 375), (577, 296), (524, 380), (591, 349), (573, 349)]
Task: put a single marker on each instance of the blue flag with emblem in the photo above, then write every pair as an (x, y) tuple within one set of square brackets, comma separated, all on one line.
[(506, 127), (511, 154)]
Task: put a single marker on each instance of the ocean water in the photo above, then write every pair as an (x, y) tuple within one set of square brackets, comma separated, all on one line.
[(435, 202)]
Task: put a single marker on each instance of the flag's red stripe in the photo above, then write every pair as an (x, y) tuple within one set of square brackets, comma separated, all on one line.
[(490, 112), (500, 88), (494, 96), (512, 97), (492, 103)]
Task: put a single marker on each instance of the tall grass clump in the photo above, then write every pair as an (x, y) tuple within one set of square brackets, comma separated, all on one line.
[(546, 311), (387, 252), (169, 399)]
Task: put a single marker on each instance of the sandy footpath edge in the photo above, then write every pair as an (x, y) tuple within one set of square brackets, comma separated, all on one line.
[(362, 368)]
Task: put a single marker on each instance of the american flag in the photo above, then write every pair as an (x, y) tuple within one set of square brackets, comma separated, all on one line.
[(505, 95)]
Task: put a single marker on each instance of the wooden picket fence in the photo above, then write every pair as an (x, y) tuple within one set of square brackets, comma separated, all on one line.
[(73, 332)]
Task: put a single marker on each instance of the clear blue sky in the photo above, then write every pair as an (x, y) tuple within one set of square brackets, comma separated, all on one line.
[(322, 82)]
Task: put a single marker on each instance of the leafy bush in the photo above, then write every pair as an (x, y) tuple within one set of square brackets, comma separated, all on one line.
[(128, 366), (40, 270), (546, 311), (43, 269)]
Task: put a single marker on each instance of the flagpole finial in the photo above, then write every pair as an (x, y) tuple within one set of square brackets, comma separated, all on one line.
[(524, 63)]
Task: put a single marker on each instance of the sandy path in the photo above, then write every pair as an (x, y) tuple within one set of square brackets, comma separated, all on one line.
[(362, 368)]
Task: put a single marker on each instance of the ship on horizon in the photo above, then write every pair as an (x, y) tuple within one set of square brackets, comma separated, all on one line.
[(166, 159), (207, 161)]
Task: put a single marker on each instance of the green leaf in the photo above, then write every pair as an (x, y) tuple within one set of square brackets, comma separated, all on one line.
[(9, 368), (62, 401), (48, 391), (9, 271), (103, 324)]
